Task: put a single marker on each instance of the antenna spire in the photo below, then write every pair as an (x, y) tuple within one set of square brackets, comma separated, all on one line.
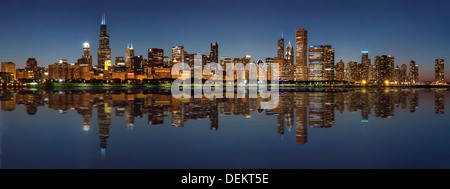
[(103, 19)]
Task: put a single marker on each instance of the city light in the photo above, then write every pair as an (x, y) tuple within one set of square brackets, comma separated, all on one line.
[(315, 66)]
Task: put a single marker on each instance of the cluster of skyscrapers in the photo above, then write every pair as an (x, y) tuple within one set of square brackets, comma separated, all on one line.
[(317, 63), (314, 63)]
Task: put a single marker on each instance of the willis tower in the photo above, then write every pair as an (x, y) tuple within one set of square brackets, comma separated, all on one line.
[(104, 52)]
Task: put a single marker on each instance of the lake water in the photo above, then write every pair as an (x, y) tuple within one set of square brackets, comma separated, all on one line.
[(141, 128)]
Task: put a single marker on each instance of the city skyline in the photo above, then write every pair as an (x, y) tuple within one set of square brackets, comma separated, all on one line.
[(427, 48)]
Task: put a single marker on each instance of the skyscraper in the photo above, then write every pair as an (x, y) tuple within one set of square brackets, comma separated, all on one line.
[(352, 71), (365, 67), (86, 59), (396, 75), (103, 52), (385, 69), (321, 63), (289, 62), (391, 67), (316, 61), (281, 48), (31, 69), (136, 65), (120, 61), (214, 54), (416, 74), (301, 49), (403, 77), (340, 66), (9, 67), (156, 57), (329, 62), (413, 72), (129, 54), (439, 71), (178, 54), (31, 64)]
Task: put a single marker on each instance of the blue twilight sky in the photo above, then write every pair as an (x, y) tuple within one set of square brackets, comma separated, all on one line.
[(49, 30)]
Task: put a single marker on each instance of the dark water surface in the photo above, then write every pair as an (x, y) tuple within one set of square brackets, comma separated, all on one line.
[(353, 128)]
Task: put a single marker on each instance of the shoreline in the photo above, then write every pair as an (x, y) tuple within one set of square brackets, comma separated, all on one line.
[(281, 87)]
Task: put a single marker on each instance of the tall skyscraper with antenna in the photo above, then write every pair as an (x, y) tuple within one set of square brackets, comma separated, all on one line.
[(289, 61), (129, 54), (281, 48), (103, 52), (365, 65)]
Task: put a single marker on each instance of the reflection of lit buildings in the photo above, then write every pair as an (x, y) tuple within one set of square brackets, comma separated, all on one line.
[(104, 121), (413, 100), (301, 113), (295, 109), (321, 109), (439, 101), (384, 106)]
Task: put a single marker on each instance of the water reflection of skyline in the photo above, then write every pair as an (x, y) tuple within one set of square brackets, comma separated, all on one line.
[(296, 111)]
